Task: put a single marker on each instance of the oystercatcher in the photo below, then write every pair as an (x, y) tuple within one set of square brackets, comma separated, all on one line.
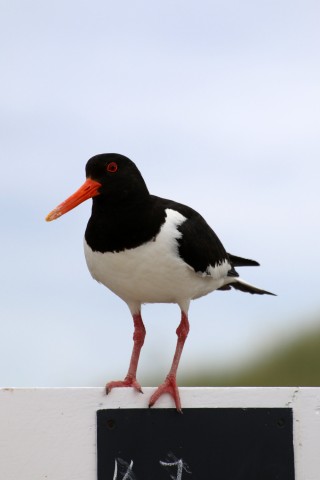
[(148, 249)]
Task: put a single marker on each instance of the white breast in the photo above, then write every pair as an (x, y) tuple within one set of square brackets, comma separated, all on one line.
[(153, 272)]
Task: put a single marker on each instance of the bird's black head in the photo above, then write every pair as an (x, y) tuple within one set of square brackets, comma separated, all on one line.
[(119, 177), (111, 179)]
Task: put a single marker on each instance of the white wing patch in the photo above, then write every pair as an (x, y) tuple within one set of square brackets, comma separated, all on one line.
[(219, 271)]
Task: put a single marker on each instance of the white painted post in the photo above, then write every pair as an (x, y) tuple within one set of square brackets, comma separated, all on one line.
[(51, 433)]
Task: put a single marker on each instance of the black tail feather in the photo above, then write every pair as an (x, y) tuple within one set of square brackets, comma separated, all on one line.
[(242, 262), (246, 287)]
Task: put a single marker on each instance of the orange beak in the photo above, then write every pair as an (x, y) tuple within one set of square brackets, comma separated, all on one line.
[(88, 190)]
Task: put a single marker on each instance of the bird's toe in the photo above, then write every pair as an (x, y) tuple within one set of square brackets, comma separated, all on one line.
[(127, 382), (168, 386)]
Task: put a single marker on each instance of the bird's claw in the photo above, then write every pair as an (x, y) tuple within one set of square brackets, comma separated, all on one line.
[(127, 382), (168, 386)]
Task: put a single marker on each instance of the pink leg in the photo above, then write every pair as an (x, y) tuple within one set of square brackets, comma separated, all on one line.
[(138, 339), (170, 383)]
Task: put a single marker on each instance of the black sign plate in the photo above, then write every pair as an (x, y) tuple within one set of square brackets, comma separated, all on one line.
[(200, 444)]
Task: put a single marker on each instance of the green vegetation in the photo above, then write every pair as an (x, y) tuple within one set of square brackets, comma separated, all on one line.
[(294, 364)]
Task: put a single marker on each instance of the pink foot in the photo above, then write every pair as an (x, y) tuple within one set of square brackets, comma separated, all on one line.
[(168, 386), (127, 382)]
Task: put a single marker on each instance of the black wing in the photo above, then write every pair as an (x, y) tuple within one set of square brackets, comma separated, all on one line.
[(199, 246)]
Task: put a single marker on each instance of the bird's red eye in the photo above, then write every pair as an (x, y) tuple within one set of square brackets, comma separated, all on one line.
[(112, 167)]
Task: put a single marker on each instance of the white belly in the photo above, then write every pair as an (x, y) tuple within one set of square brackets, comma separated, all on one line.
[(153, 272)]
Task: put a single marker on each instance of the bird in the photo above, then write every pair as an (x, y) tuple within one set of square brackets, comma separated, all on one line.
[(148, 249)]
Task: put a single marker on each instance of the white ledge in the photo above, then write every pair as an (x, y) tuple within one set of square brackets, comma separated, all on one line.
[(50, 433)]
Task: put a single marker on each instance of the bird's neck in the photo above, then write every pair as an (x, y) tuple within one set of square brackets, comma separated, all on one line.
[(124, 203), (124, 225)]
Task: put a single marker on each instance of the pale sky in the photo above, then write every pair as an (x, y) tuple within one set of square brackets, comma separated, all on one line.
[(218, 103)]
